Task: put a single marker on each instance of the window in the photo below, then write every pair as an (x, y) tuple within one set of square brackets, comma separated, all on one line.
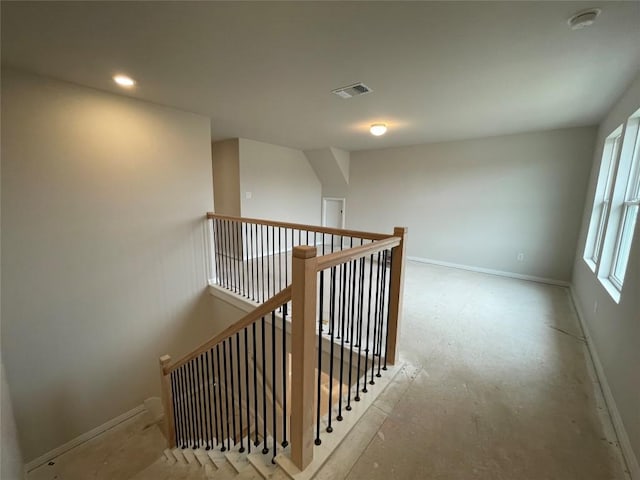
[(615, 208)]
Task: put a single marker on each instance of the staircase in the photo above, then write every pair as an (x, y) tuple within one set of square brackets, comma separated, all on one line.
[(274, 394)]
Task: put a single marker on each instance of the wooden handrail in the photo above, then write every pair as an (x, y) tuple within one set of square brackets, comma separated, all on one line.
[(350, 254), (300, 226), (267, 307)]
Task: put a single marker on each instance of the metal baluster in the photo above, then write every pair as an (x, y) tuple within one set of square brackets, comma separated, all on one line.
[(332, 311), (268, 276), (214, 413), (255, 384), (219, 384), (174, 396), (194, 411), (273, 386), (239, 394), (360, 319), (265, 450), (202, 416), (343, 287), (205, 359), (353, 295), (185, 406), (262, 279), (366, 348), (233, 403), (246, 385), (226, 393), (383, 302), (319, 386), (285, 374), (375, 323)]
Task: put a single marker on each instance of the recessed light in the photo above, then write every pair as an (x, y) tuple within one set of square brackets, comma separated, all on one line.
[(124, 81), (582, 19), (378, 129)]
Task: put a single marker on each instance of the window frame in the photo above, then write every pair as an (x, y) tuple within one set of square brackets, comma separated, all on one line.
[(616, 204)]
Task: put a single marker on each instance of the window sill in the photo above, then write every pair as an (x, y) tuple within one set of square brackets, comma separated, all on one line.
[(611, 289), (591, 264)]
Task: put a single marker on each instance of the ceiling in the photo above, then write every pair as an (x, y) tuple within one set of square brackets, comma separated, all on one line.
[(439, 70)]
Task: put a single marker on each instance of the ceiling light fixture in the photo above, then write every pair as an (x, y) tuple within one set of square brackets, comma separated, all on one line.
[(584, 18), (378, 129), (124, 81)]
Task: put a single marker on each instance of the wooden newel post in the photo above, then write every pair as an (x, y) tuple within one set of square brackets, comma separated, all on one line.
[(395, 294), (303, 327), (167, 403)]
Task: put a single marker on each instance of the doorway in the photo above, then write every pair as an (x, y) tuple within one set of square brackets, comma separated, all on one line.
[(333, 212)]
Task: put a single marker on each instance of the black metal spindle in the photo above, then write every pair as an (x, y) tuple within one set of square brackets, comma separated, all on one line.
[(255, 385), (366, 348), (285, 374), (375, 323), (201, 415), (256, 263), (382, 309), (265, 449), (360, 320), (262, 279), (205, 359), (332, 312), (233, 403), (268, 278), (203, 403), (318, 441), (343, 286), (185, 407), (226, 393), (223, 433), (246, 387), (174, 400), (351, 326), (192, 395), (239, 393), (215, 382), (273, 387), (250, 261)]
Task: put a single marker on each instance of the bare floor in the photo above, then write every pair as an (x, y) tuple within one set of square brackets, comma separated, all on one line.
[(497, 386), (502, 388)]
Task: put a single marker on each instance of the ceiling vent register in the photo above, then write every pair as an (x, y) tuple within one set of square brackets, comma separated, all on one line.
[(352, 90)]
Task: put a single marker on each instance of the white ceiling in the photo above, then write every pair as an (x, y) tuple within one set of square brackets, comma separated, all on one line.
[(439, 70)]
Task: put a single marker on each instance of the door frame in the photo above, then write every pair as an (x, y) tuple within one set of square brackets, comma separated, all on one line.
[(324, 209)]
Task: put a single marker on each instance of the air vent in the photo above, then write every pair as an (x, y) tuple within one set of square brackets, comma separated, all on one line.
[(352, 90)]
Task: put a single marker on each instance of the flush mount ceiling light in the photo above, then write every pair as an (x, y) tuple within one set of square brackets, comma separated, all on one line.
[(124, 81), (378, 129), (584, 18)]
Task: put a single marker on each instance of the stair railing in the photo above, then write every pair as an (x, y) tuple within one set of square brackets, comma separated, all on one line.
[(344, 304), (252, 257)]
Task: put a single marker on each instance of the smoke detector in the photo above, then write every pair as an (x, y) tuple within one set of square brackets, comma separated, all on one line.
[(584, 18), (352, 90)]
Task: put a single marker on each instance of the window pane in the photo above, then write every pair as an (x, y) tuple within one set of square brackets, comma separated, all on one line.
[(622, 257)]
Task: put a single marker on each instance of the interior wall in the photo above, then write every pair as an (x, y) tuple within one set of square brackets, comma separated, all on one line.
[(480, 203), (281, 183), (614, 328), (103, 267), (11, 465), (226, 176)]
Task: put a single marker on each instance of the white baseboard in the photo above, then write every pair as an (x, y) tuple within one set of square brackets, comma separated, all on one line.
[(42, 459), (623, 439), (519, 276)]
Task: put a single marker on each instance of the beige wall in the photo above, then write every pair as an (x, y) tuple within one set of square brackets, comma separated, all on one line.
[(103, 265), (10, 454), (226, 176), (479, 203), (282, 183), (614, 328)]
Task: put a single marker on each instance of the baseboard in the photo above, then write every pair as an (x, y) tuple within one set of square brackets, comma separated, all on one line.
[(623, 439), (42, 459), (519, 276)]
